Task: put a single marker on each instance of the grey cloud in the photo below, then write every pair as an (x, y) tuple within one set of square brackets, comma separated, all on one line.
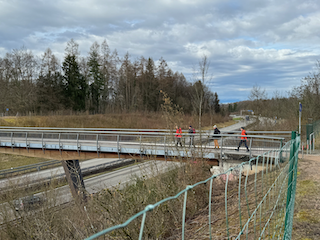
[(271, 43)]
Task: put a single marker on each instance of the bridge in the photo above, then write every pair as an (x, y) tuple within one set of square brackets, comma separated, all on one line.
[(70, 145)]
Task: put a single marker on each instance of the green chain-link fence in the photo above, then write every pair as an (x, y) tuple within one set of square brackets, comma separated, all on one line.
[(253, 200)]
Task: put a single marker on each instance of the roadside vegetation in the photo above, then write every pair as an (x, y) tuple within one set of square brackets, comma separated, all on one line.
[(136, 120), (306, 222), (112, 206), (11, 161)]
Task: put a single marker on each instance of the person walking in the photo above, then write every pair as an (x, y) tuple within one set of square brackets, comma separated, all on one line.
[(178, 136), (215, 138), (243, 139), (191, 131)]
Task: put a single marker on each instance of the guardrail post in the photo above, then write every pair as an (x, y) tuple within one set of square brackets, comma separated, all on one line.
[(43, 146), (12, 144), (165, 148), (27, 142), (59, 143), (310, 146), (314, 141), (78, 147), (221, 145), (118, 144), (140, 148), (311, 138), (250, 148), (98, 148)]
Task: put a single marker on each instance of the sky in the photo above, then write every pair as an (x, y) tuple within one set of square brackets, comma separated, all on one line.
[(272, 44)]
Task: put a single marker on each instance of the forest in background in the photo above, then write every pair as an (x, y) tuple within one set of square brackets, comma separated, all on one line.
[(286, 105), (105, 83), (99, 83)]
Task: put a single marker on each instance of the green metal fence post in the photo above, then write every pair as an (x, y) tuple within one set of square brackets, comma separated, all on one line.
[(289, 191)]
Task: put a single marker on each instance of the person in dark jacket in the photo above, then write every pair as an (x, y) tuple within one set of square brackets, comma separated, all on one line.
[(191, 131), (215, 138), (243, 139)]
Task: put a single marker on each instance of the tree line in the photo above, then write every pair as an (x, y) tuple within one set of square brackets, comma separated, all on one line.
[(286, 105), (100, 82)]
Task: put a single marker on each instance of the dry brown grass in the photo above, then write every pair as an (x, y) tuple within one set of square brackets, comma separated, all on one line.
[(138, 120), (281, 125), (11, 161), (306, 224)]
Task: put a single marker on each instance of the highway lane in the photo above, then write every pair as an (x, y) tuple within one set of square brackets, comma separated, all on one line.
[(118, 178), (58, 172)]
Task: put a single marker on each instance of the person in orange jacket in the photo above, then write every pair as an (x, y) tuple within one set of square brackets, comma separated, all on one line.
[(243, 139), (178, 135)]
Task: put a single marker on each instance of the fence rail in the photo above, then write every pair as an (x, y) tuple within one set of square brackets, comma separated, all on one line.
[(257, 197)]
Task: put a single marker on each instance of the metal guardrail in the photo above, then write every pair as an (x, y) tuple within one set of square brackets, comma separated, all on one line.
[(131, 130), (35, 179), (28, 168)]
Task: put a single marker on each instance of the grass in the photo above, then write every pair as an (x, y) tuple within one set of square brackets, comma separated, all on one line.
[(138, 120), (306, 223), (8, 161), (309, 216), (237, 119), (307, 187)]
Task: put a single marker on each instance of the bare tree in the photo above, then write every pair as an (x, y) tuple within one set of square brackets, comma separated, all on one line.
[(257, 97), (201, 76)]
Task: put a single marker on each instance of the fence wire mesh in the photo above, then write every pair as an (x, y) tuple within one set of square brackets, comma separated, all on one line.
[(253, 200)]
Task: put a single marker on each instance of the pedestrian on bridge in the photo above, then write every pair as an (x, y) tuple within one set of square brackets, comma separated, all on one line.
[(243, 139), (178, 136), (191, 131), (215, 138)]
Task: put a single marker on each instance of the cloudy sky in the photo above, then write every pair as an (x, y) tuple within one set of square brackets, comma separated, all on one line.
[(272, 44)]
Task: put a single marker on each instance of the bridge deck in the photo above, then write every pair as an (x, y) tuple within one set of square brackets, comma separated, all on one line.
[(85, 149)]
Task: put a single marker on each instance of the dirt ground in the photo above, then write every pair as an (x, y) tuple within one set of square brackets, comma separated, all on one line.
[(306, 223)]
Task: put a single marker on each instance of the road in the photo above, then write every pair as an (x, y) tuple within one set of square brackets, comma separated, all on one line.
[(58, 172), (119, 178)]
